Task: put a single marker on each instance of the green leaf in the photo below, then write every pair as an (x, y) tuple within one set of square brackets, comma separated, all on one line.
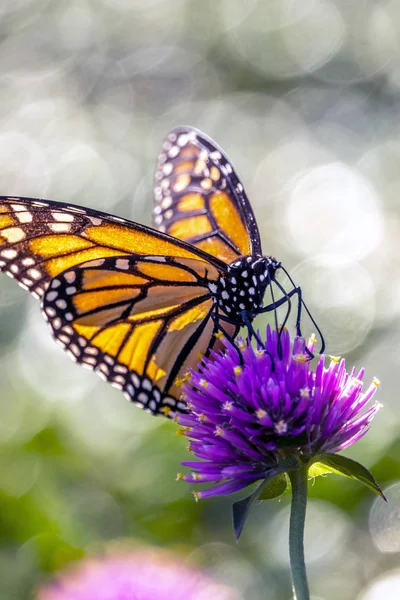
[(240, 509), (274, 488), (341, 465)]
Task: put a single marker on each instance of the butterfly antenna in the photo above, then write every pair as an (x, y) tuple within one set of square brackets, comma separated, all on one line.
[(302, 303)]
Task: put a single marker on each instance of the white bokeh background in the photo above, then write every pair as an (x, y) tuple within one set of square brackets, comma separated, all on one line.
[(305, 99)]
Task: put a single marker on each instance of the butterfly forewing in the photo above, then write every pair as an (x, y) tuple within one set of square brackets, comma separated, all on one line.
[(40, 239), (200, 199)]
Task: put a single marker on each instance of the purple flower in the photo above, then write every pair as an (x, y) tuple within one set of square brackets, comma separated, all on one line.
[(141, 574), (246, 416)]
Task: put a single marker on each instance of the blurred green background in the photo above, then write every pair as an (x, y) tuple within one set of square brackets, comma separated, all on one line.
[(304, 97)]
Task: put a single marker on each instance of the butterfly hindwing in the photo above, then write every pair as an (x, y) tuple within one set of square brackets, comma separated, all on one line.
[(140, 322), (200, 199)]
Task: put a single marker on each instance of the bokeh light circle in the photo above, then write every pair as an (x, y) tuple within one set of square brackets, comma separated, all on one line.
[(385, 587), (333, 209), (384, 521)]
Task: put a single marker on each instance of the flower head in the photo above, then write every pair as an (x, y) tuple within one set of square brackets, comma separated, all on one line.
[(141, 574), (250, 409)]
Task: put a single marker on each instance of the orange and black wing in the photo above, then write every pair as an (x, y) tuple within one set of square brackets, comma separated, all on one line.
[(140, 322), (40, 239), (123, 299), (200, 199)]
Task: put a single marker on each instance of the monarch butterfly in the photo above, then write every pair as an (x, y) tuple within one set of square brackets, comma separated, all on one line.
[(140, 305)]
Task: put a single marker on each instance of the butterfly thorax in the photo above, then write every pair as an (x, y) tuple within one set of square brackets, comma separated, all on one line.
[(241, 289)]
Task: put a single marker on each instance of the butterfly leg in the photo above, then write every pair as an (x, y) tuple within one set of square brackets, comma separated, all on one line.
[(217, 321)]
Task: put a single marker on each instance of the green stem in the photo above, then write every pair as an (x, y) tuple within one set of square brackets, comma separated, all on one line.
[(296, 533)]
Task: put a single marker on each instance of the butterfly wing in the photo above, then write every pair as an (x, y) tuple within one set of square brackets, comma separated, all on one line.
[(40, 239), (200, 199), (140, 322), (46, 246)]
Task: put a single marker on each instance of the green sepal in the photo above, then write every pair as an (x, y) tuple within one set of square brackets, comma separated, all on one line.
[(240, 509), (274, 488), (323, 464)]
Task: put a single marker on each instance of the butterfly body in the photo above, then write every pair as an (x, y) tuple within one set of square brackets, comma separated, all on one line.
[(240, 291), (140, 305)]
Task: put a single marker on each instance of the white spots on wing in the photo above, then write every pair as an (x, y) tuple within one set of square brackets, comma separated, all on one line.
[(183, 140), (92, 350), (28, 261), (252, 291), (171, 138), (39, 291), (34, 273), (135, 380), (70, 276), (50, 311), (96, 221), (109, 359), (152, 405), (206, 184), (18, 207), (90, 360), (26, 281), (51, 296), (165, 183), (2, 263), (143, 397), (147, 385), (74, 349), (167, 168), (63, 217), (60, 227), (13, 234), (96, 263), (122, 263), (24, 217), (158, 220), (55, 284), (61, 304), (120, 369), (9, 253), (215, 155), (166, 202), (212, 287), (159, 259), (40, 204), (63, 338), (169, 214), (225, 295), (81, 341), (70, 290), (69, 316), (56, 323)]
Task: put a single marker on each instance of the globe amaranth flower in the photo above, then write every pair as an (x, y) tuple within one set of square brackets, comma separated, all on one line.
[(139, 574), (249, 409)]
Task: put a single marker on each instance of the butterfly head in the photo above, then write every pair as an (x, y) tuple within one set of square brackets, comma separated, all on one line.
[(243, 287)]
